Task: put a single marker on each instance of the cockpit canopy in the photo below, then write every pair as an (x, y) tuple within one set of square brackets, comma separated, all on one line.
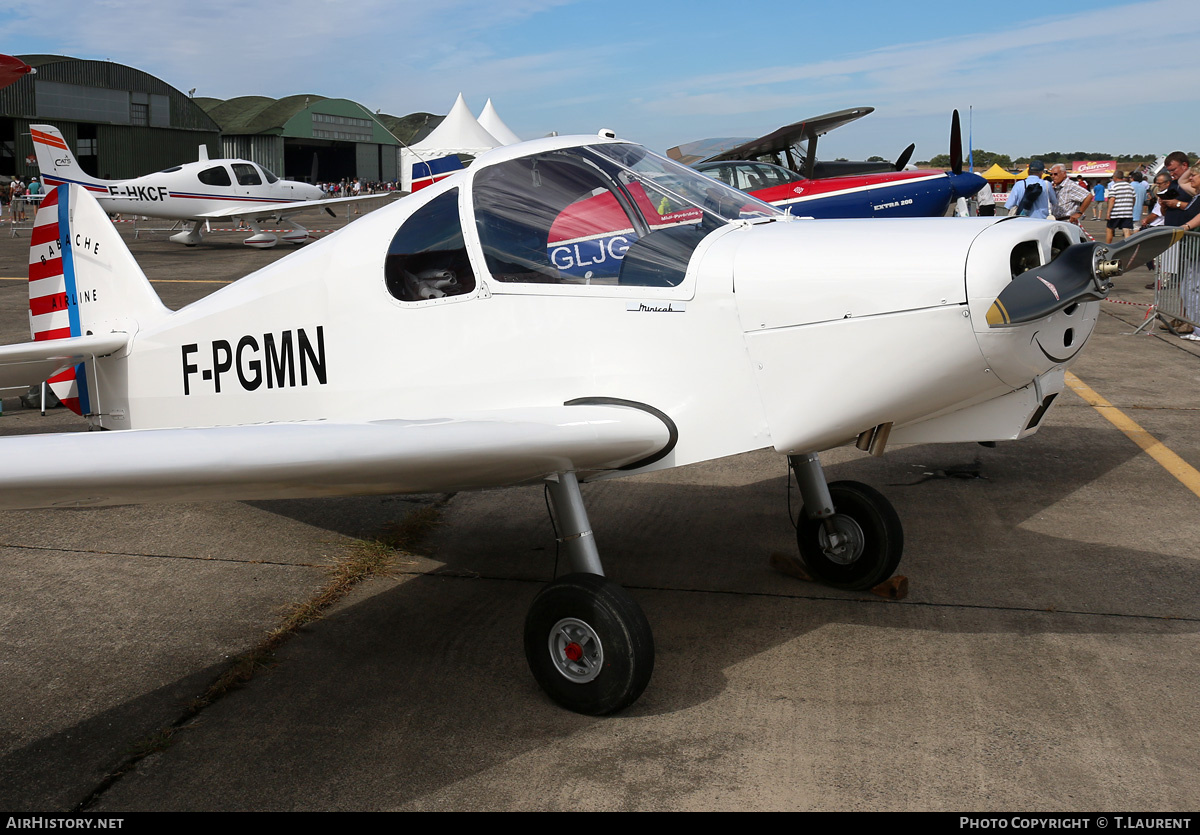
[(605, 214), (246, 173)]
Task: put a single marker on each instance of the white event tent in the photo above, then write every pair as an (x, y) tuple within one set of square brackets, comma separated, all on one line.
[(459, 133), (494, 125)]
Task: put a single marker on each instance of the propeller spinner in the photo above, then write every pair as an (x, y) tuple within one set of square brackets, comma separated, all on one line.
[(1080, 273)]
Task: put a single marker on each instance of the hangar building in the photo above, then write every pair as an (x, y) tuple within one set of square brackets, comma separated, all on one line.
[(120, 121), (306, 137)]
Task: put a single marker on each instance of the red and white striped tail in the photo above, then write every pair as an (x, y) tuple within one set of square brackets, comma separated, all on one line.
[(49, 317), (83, 282), (50, 298)]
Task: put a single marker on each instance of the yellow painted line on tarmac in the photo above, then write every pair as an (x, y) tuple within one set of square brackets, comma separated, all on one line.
[(1184, 472)]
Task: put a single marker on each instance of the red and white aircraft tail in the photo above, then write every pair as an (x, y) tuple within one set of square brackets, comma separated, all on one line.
[(57, 164), (83, 283)]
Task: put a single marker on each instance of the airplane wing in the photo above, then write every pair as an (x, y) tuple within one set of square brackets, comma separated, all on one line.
[(789, 135), (690, 153), (317, 458), (29, 363), (265, 210)]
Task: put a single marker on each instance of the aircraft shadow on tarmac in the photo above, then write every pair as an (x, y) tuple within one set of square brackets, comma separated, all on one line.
[(972, 535), (418, 685)]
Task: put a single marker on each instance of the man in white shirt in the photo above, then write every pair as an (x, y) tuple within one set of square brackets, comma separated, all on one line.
[(1072, 199)]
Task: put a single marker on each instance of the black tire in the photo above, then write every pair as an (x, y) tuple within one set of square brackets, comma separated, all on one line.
[(610, 665), (875, 533)]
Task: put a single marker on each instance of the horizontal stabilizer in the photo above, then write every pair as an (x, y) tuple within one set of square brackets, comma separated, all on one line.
[(313, 459), (29, 363)]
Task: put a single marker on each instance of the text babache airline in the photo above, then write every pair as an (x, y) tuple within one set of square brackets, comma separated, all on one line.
[(288, 359), (82, 241)]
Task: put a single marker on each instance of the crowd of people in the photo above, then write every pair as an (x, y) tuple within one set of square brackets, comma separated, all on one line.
[(356, 187), (17, 199), (1126, 203)]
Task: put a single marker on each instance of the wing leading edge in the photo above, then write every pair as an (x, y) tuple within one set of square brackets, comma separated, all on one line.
[(267, 210), (314, 459), (788, 135)]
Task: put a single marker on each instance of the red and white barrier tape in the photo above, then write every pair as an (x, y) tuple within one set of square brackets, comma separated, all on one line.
[(1135, 304)]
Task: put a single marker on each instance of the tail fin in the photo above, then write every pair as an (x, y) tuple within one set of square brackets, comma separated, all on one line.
[(83, 281), (417, 173), (57, 164)]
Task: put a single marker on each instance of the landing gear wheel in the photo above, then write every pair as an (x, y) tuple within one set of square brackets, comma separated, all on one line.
[(588, 644), (867, 543)]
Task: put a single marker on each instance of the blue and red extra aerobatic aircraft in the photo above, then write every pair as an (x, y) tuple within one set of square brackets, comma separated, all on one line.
[(782, 169)]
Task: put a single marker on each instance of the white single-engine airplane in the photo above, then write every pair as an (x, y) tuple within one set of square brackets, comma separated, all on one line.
[(704, 324), (216, 189)]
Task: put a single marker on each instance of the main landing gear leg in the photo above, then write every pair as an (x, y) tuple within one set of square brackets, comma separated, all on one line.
[(297, 234), (189, 237), (260, 239), (588, 643), (849, 535)]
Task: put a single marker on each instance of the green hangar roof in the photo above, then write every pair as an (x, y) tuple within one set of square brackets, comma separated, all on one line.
[(100, 92), (300, 117)]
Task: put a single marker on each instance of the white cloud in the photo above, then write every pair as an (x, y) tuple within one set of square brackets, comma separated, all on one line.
[(1081, 72), (230, 47)]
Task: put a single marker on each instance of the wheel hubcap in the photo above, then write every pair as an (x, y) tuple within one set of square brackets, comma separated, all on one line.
[(841, 539), (576, 650)]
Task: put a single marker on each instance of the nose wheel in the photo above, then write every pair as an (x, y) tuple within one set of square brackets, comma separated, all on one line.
[(849, 535), (859, 546)]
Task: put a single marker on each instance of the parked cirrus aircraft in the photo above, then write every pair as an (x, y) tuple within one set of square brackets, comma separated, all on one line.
[(206, 190), (720, 325), (797, 182)]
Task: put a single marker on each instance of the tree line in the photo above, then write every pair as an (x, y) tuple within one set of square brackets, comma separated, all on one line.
[(985, 159)]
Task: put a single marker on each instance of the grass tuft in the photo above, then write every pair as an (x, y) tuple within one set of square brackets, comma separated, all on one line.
[(364, 559)]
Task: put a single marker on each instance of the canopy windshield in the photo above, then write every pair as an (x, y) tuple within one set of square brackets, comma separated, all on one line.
[(606, 214), (664, 180)]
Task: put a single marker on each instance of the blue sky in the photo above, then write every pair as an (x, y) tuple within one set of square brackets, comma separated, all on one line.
[(1105, 77)]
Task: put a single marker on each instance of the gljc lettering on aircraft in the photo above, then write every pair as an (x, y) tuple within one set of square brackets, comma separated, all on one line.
[(719, 325), (197, 192)]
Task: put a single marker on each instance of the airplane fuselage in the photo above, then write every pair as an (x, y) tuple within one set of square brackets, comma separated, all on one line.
[(899, 194), (879, 194), (740, 353), (444, 343), (195, 189)]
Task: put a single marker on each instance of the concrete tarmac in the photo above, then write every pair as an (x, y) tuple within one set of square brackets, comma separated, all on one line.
[(1046, 658)]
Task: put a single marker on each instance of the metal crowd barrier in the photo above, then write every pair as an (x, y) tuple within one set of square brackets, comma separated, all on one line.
[(26, 204), (1177, 284)]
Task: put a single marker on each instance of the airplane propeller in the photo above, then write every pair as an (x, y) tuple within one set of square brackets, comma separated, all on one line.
[(905, 156), (1080, 273), (961, 184), (956, 157)]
